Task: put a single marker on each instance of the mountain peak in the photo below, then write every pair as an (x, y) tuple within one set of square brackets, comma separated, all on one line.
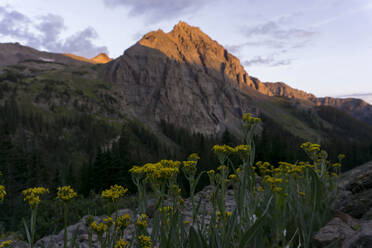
[(182, 26), (190, 45)]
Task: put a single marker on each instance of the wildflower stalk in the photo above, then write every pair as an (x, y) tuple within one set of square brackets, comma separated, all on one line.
[(65, 215)]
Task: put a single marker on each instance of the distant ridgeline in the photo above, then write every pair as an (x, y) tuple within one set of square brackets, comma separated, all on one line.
[(72, 122)]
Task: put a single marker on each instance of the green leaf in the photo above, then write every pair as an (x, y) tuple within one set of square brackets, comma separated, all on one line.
[(74, 237), (251, 232), (195, 241), (27, 233)]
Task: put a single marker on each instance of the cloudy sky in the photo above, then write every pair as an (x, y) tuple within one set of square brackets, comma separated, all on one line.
[(320, 46)]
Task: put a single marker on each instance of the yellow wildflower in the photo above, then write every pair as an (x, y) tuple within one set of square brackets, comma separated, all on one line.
[(122, 222), (249, 120), (108, 221), (166, 209), (186, 222), (193, 157), (32, 195), (114, 193), (301, 193), (224, 149), (142, 221), (100, 228), (66, 193), (6, 243), (189, 167), (144, 241), (2, 192), (242, 150), (222, 168), (233, 177), (137, 170), (336, 165), (341, 156), (260, 188), (159, 172), (121, 244), (277, 189), (227, 215)]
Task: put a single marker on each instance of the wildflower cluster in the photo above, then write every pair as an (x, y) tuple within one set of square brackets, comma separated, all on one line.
[(114, 193), (6, 243), (157, 172), (122, 222), (66, 193), (249, 119), (32, 195), (99, 229), (223, 151), (189, 167), (108, 221), (144, 241), (2, 192), (274, 183), (121, 244), (225, 216), (193, 157), (142, 221)]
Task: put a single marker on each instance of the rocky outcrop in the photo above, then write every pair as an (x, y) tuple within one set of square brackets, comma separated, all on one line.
[(82, 229), (342, 234), (101, 58), (352, 225), (284, 90)]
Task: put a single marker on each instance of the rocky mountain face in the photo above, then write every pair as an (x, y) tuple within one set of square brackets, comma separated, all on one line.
[(182, 77), (356, 107)]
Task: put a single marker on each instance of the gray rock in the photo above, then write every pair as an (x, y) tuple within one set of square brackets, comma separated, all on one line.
[(352, 225)]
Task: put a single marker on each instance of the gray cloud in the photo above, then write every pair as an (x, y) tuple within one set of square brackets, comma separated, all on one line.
[(267, 61), (81, 43), (274, 30), (157, 10), (45, 33), (13, 23), (276, 36)]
